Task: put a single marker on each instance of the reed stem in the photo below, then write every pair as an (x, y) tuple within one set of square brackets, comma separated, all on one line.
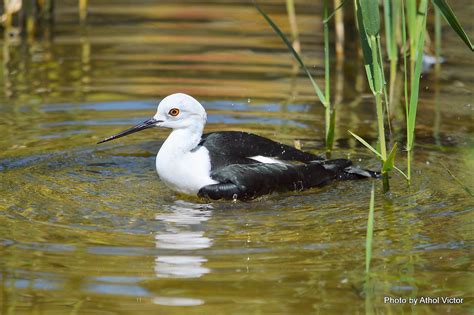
[(327, 84), (329, 109), (295, 38), (409, 154), (339, 29), (83, 10), (378, 97), (437, 37)]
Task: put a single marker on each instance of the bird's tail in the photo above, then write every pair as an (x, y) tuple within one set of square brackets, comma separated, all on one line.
[(346, 171), (354, 172)]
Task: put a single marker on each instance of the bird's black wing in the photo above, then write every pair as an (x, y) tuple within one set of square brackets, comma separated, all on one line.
[(235, 147), (247, 181)]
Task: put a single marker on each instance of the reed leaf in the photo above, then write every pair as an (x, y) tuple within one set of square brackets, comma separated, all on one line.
[(411, 17), (366, 47), (389, 164), (451, 18), (366, 144), (335, 10), (415, 82), (401, 172), (371, 16), (277, 30), (390, 18), (437, 23)]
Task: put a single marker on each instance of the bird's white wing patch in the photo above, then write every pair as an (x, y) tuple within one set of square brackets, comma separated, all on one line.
[(265, 159)]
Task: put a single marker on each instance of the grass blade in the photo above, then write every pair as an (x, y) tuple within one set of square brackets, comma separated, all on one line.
[(335, 10), (401, 172), (277, 30), (415, 82), (366, 144), (389, 164), (457, 180), (370, 231), (453, 21), (366, 48), (371, 16), (390, 16)]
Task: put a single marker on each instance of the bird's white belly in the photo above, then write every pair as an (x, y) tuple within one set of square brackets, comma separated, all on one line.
[(185, 173)]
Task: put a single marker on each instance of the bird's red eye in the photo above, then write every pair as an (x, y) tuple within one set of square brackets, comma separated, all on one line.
[(174, 112)]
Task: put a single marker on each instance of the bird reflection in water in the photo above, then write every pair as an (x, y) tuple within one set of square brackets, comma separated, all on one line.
[(183, 224)]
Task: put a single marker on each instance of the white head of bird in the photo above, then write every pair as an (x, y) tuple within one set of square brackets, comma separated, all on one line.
[(177, 111)]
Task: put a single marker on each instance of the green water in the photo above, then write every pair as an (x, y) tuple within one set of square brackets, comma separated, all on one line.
[(87, 229)]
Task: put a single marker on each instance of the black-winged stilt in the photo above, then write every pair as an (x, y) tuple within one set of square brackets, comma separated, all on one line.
[(232, 164)]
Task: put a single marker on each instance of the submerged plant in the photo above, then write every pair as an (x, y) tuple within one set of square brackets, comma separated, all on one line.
[(370, 231), (457, 180)]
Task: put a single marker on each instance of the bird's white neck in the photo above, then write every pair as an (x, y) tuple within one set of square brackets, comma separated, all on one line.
[(181, 141), (179, 166)]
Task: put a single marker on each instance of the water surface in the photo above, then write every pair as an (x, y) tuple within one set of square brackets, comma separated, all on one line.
[(87, 229)]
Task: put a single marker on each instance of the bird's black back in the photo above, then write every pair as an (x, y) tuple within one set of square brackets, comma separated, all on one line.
[(236, 147)]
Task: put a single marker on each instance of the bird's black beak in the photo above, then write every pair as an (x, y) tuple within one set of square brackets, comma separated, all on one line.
[(141, 126)]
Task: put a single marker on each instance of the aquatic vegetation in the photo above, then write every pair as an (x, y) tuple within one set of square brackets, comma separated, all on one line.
[(451, 18), (324, 98), (368, 21), (457, 180), (399, 16), (370, 230)]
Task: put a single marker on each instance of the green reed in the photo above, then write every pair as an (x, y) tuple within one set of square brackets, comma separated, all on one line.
[(437, 37), (330, 113), (458, 181), (413, 17), (368, 21), (290, 9), (452, 20), (392, 22), (418, 27), (323, 97), (370, 230), (368, 283), (405, 19)]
